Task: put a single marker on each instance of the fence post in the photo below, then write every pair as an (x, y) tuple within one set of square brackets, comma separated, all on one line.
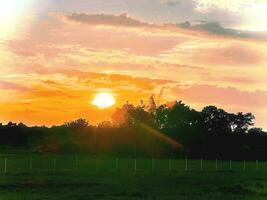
[(230, 164), (31, 164), (5, 167), (244, 165), (117, 163), (54, 164), (186, 164), (152, 164), (170, 164), (201, 164), (97, 164), (76, 162), (216, 164), (135, 164), (257, 164)]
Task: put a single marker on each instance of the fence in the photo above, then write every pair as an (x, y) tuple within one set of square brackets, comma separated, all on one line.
[(38, 163)]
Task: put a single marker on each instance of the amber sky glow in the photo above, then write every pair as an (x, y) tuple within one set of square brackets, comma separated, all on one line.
[(56, 55)]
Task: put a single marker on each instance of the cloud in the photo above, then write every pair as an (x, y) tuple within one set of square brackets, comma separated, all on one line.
[(124, 20), (107, 19), (171, 3), (217, 29), (233, 55), (73, 90), (211, 27), (12, 86), (62, 95), (209, 94), (238, 79), (207, 52)]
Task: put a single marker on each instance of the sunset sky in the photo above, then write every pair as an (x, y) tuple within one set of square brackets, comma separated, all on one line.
[(56, 55)]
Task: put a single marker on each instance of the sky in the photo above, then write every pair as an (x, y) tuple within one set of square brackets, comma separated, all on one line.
[(56, 55)]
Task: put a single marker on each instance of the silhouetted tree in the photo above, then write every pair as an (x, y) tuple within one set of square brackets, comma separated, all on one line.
[(138, 130), (255, 131), (77, 124), (242, 122)]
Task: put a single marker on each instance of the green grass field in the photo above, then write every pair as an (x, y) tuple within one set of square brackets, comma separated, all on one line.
[(81, 177)]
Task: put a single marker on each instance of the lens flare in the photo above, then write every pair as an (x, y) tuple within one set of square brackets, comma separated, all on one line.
[(162, 137)]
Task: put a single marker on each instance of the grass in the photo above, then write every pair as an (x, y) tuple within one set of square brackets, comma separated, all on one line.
[(80, 178), (121, 185)]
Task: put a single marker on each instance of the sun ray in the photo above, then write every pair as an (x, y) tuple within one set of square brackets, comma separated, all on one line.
[(162, 137)]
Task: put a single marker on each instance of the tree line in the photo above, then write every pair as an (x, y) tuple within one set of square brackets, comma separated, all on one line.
[(170, 130)]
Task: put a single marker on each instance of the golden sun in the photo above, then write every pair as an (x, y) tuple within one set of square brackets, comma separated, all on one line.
[(103, 100)]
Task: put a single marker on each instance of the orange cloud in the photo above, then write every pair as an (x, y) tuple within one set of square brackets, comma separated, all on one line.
[(224, 96), (60, 96), (237, 55), (51, 75)]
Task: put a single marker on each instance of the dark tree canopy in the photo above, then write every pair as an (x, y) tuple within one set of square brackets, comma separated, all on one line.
[(172, 129)]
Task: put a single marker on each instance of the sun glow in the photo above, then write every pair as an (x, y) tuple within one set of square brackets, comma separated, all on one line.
[(104, 100), (7, 9), (11, 14)]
